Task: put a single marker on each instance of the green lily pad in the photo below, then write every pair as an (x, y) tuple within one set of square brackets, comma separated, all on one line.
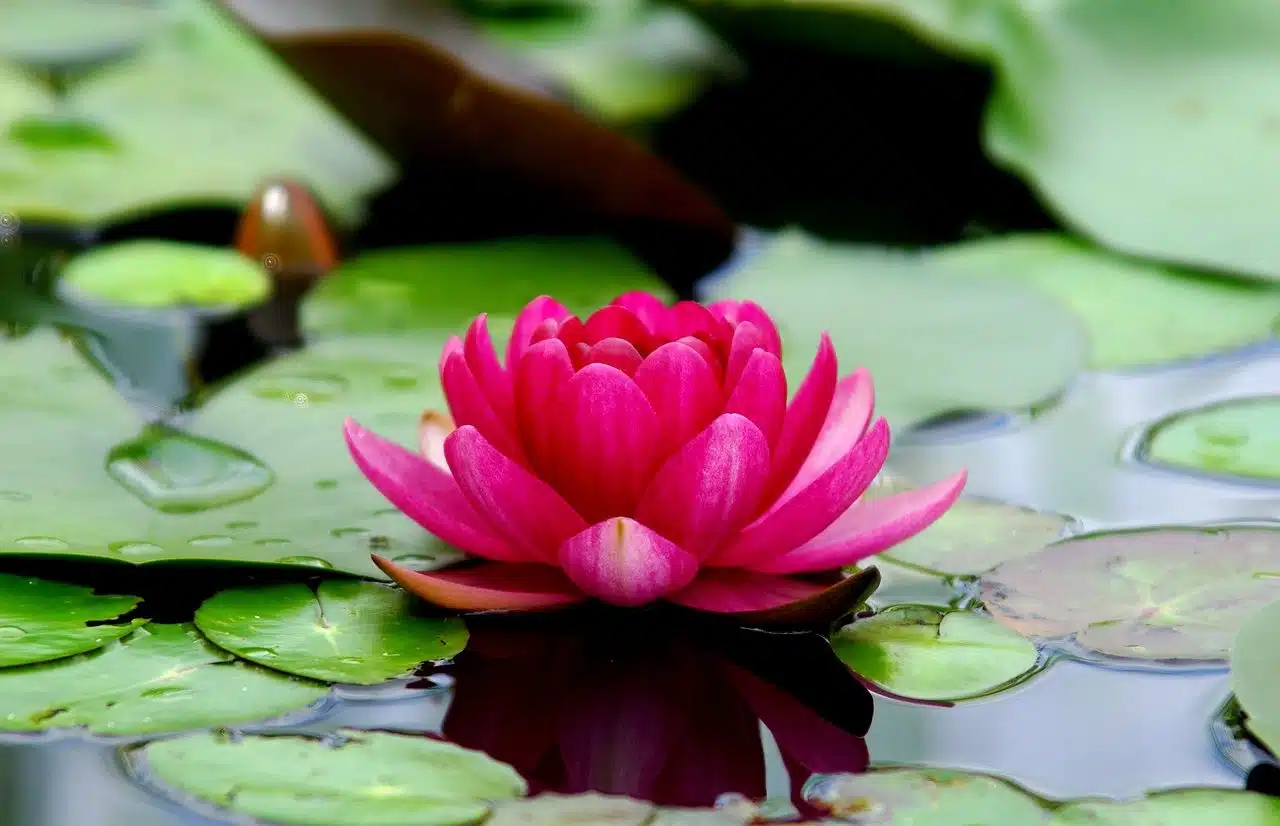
[(912, 325), (1255, 674), (627, 60), (973, 536), (925, 797), (344, 631), (185, 132), (43, 620), (61, 32), (556, 809), (1237, 438), (1154, 594), (262, 475), (1180, 807), (160, 678), (167, 274), (1136, 313), (370, 778), (926, 654)]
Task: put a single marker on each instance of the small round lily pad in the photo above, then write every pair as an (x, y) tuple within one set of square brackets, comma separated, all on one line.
[(1179, 807), (924, 797), (1154, 594), (160, 678), (924, 653), (366, 778), (168, 274), (42, 620), (343, 631), (1237, 438), (1255, 674), (973, 536)]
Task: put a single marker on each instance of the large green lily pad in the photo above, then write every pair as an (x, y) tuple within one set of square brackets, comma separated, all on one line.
[(973, 536), (1154, 594), (370, 778), (184, 131), (160, 678), (925, 797), (167, 274), (1255, 674), (43, 620), (343, 631), (923, 653), (1136, 313), (1236, 438), (262, 476), (912, 325), (1180, 807)]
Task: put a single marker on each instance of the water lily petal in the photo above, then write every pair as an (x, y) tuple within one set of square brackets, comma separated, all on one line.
[(870, 526), (606, 438), (683, 391), (689, 318), (617, 322), (707, 352), (746, 340), (806, 514), (615, 352), (846, 422), (522, 508), (496, 587), (493, 379), (622, 562), (433, 428), (710, 487), (768, 600), (738, 312), (541, 309), (469, 405), (651, 310), (761, 394), (804, 419), (425, 493), (541, 374)]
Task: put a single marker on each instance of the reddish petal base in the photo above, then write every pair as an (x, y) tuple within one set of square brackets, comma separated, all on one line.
[(751, 598), (487, 586)]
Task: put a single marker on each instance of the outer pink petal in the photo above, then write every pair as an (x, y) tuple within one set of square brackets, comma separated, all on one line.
[(606, 438), (722, 591), (737, 312), (622, 562), (540, 376), (683, 392), (846, 422), (746, 340), (806, 514), (541, 309), (522, 508), (617, 322), (493, 379), (469, 405), (761, 394), (709, 489), (804, 419), (433, 428), (870, 526), (426, 494), (616, 352), (651, 310), (708, 354), (497, 587)]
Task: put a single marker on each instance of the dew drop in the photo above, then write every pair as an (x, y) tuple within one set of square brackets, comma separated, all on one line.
[(401, 378), (41, 543), (338, 533), (1222, 435), (309, 561), (135, 548), (241, 525), (419, 562), (9, 633), (258, 653), (210, 541), (351, 661), (174, 472), (272, 542), (14, 496), (326, 484), (301, 389), (163, 691)]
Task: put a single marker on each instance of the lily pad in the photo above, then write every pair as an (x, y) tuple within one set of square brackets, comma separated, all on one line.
[(1237, 438), (167, 274), (1180, 807), (43, 620), (912, 325), (262, 475), (186, 132), (1255, 674), (923, 653), (1152, 594), (160, 678), (973, 536), (558, 809), (369, 778), (924, 797), (1136, 313), (344, 631)]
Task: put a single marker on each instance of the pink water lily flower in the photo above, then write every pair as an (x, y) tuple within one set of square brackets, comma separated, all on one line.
[(648, 453)]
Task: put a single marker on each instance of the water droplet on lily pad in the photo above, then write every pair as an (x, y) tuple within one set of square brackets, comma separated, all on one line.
[(338, 533), (14, 496), (135, 548), (291, 387), (326, 484), (174, 472), (272, 541), (9, 633), (210, 541), (309, 561), (416, 561), (42, 543)]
